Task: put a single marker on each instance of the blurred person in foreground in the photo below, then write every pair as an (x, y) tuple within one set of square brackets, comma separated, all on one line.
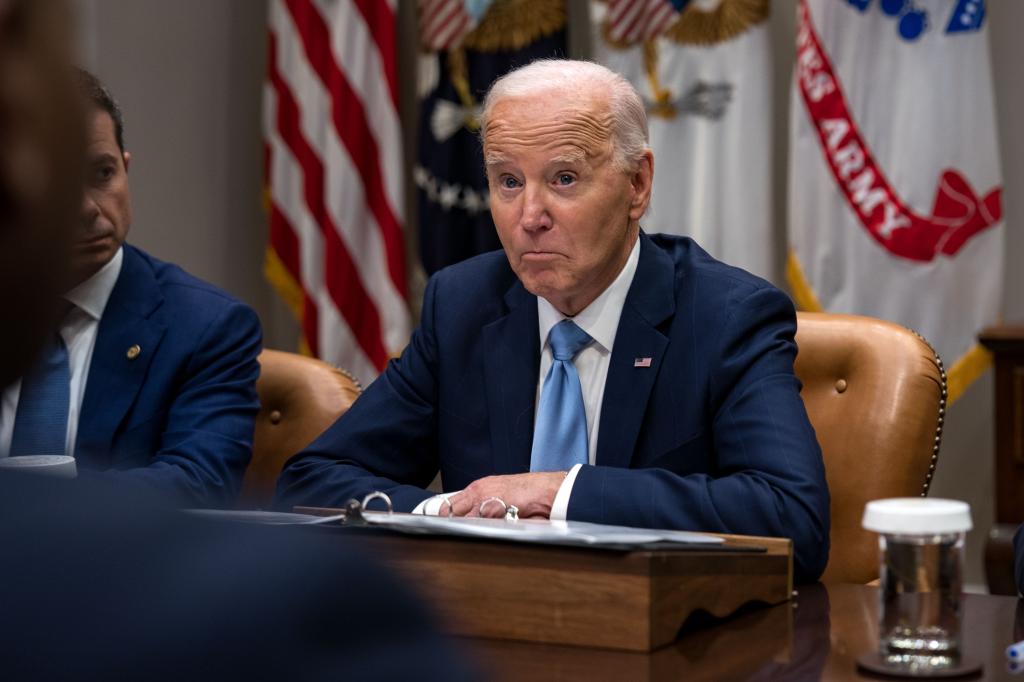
[(151, 377), (589, 371), (41, 148), (96, 582)]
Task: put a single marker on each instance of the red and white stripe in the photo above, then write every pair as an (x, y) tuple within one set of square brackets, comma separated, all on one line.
[(632, 21), (443, 23), (334, 164)]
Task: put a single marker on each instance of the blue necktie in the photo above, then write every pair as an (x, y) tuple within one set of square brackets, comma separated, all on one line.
[(41, 421), (560, 437)]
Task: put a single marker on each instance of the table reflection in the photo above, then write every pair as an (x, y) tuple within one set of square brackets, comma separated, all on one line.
[(818, 635)]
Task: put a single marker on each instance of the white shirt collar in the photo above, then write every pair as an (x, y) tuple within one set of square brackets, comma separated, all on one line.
[(600, 319), (91, 296)]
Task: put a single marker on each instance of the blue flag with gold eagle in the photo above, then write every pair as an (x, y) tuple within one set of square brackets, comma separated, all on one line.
[(467, 45)]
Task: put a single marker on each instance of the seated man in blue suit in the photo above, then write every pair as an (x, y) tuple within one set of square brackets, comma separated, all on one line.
[(151, 379), (98, 581), (589, 371)]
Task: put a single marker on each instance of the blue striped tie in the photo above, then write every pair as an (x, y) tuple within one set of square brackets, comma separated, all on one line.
[(41, 422), (560, 437)]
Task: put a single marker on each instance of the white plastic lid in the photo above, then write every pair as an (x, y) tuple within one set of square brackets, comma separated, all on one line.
[(917, 515)]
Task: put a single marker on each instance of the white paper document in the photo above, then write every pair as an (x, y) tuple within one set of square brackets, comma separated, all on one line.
[(541, 531), (537, 530)]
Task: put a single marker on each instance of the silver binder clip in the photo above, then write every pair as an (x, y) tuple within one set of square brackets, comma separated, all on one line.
[(377, 495), (352, 514)]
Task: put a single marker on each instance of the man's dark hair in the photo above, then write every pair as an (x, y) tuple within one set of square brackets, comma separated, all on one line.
[(96, 92)]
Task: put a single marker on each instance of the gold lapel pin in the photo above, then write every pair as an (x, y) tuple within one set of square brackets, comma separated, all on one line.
[(133, 352)]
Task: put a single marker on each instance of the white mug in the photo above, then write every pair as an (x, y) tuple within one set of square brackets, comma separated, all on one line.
[(60, 466)]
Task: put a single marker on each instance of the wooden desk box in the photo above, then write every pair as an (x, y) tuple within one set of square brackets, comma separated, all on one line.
[(633, 601)]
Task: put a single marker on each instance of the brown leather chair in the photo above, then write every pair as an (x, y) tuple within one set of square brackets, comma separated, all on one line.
[(299, 398), (876, 395)]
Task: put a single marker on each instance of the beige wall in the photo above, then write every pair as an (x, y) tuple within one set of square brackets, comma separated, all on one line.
[(189, 75)]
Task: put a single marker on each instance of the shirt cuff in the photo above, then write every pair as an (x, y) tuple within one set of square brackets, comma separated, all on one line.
[(432, 505), (560, 507)]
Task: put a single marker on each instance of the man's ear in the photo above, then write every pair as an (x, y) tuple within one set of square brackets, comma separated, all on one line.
[(641, 182), (127, 156)]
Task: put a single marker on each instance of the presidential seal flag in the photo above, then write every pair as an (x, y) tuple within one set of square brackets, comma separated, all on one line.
[(703, 68), (894, 185), (334, 193), (465, 46)]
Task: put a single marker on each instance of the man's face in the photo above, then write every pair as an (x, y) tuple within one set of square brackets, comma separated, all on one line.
[(566, 216), (106, 204)]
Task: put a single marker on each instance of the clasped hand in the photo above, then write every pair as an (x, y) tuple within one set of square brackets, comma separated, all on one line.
[(533, 494)]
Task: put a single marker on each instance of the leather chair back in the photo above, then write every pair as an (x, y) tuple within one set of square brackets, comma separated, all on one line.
[(876, 394), (299, 398)]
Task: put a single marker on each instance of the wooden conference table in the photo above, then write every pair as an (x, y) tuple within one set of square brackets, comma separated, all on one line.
[(818, 636)]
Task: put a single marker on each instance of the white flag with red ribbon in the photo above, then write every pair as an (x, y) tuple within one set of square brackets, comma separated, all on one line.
[(333, 150), (894, 199)]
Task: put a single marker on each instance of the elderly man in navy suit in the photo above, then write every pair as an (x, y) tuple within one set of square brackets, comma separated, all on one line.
[(588, 371), (151, 378)]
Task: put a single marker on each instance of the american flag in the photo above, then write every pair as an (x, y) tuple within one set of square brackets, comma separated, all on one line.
[(632, 21), (333, 152), (444, 23)]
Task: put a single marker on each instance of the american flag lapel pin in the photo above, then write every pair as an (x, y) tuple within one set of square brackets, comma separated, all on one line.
[(642, 362)]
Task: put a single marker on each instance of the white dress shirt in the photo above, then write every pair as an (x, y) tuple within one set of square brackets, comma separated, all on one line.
[(600, 320), (78, 329)]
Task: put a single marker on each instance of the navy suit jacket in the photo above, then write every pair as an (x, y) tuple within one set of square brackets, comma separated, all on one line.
[(179, 416), (712, 436)]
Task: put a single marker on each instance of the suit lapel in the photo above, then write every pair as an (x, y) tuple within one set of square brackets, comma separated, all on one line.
[(115, 374), (511, 366), (650, 302)]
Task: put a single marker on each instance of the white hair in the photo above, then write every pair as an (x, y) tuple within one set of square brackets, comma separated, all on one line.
[(580, 79)]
